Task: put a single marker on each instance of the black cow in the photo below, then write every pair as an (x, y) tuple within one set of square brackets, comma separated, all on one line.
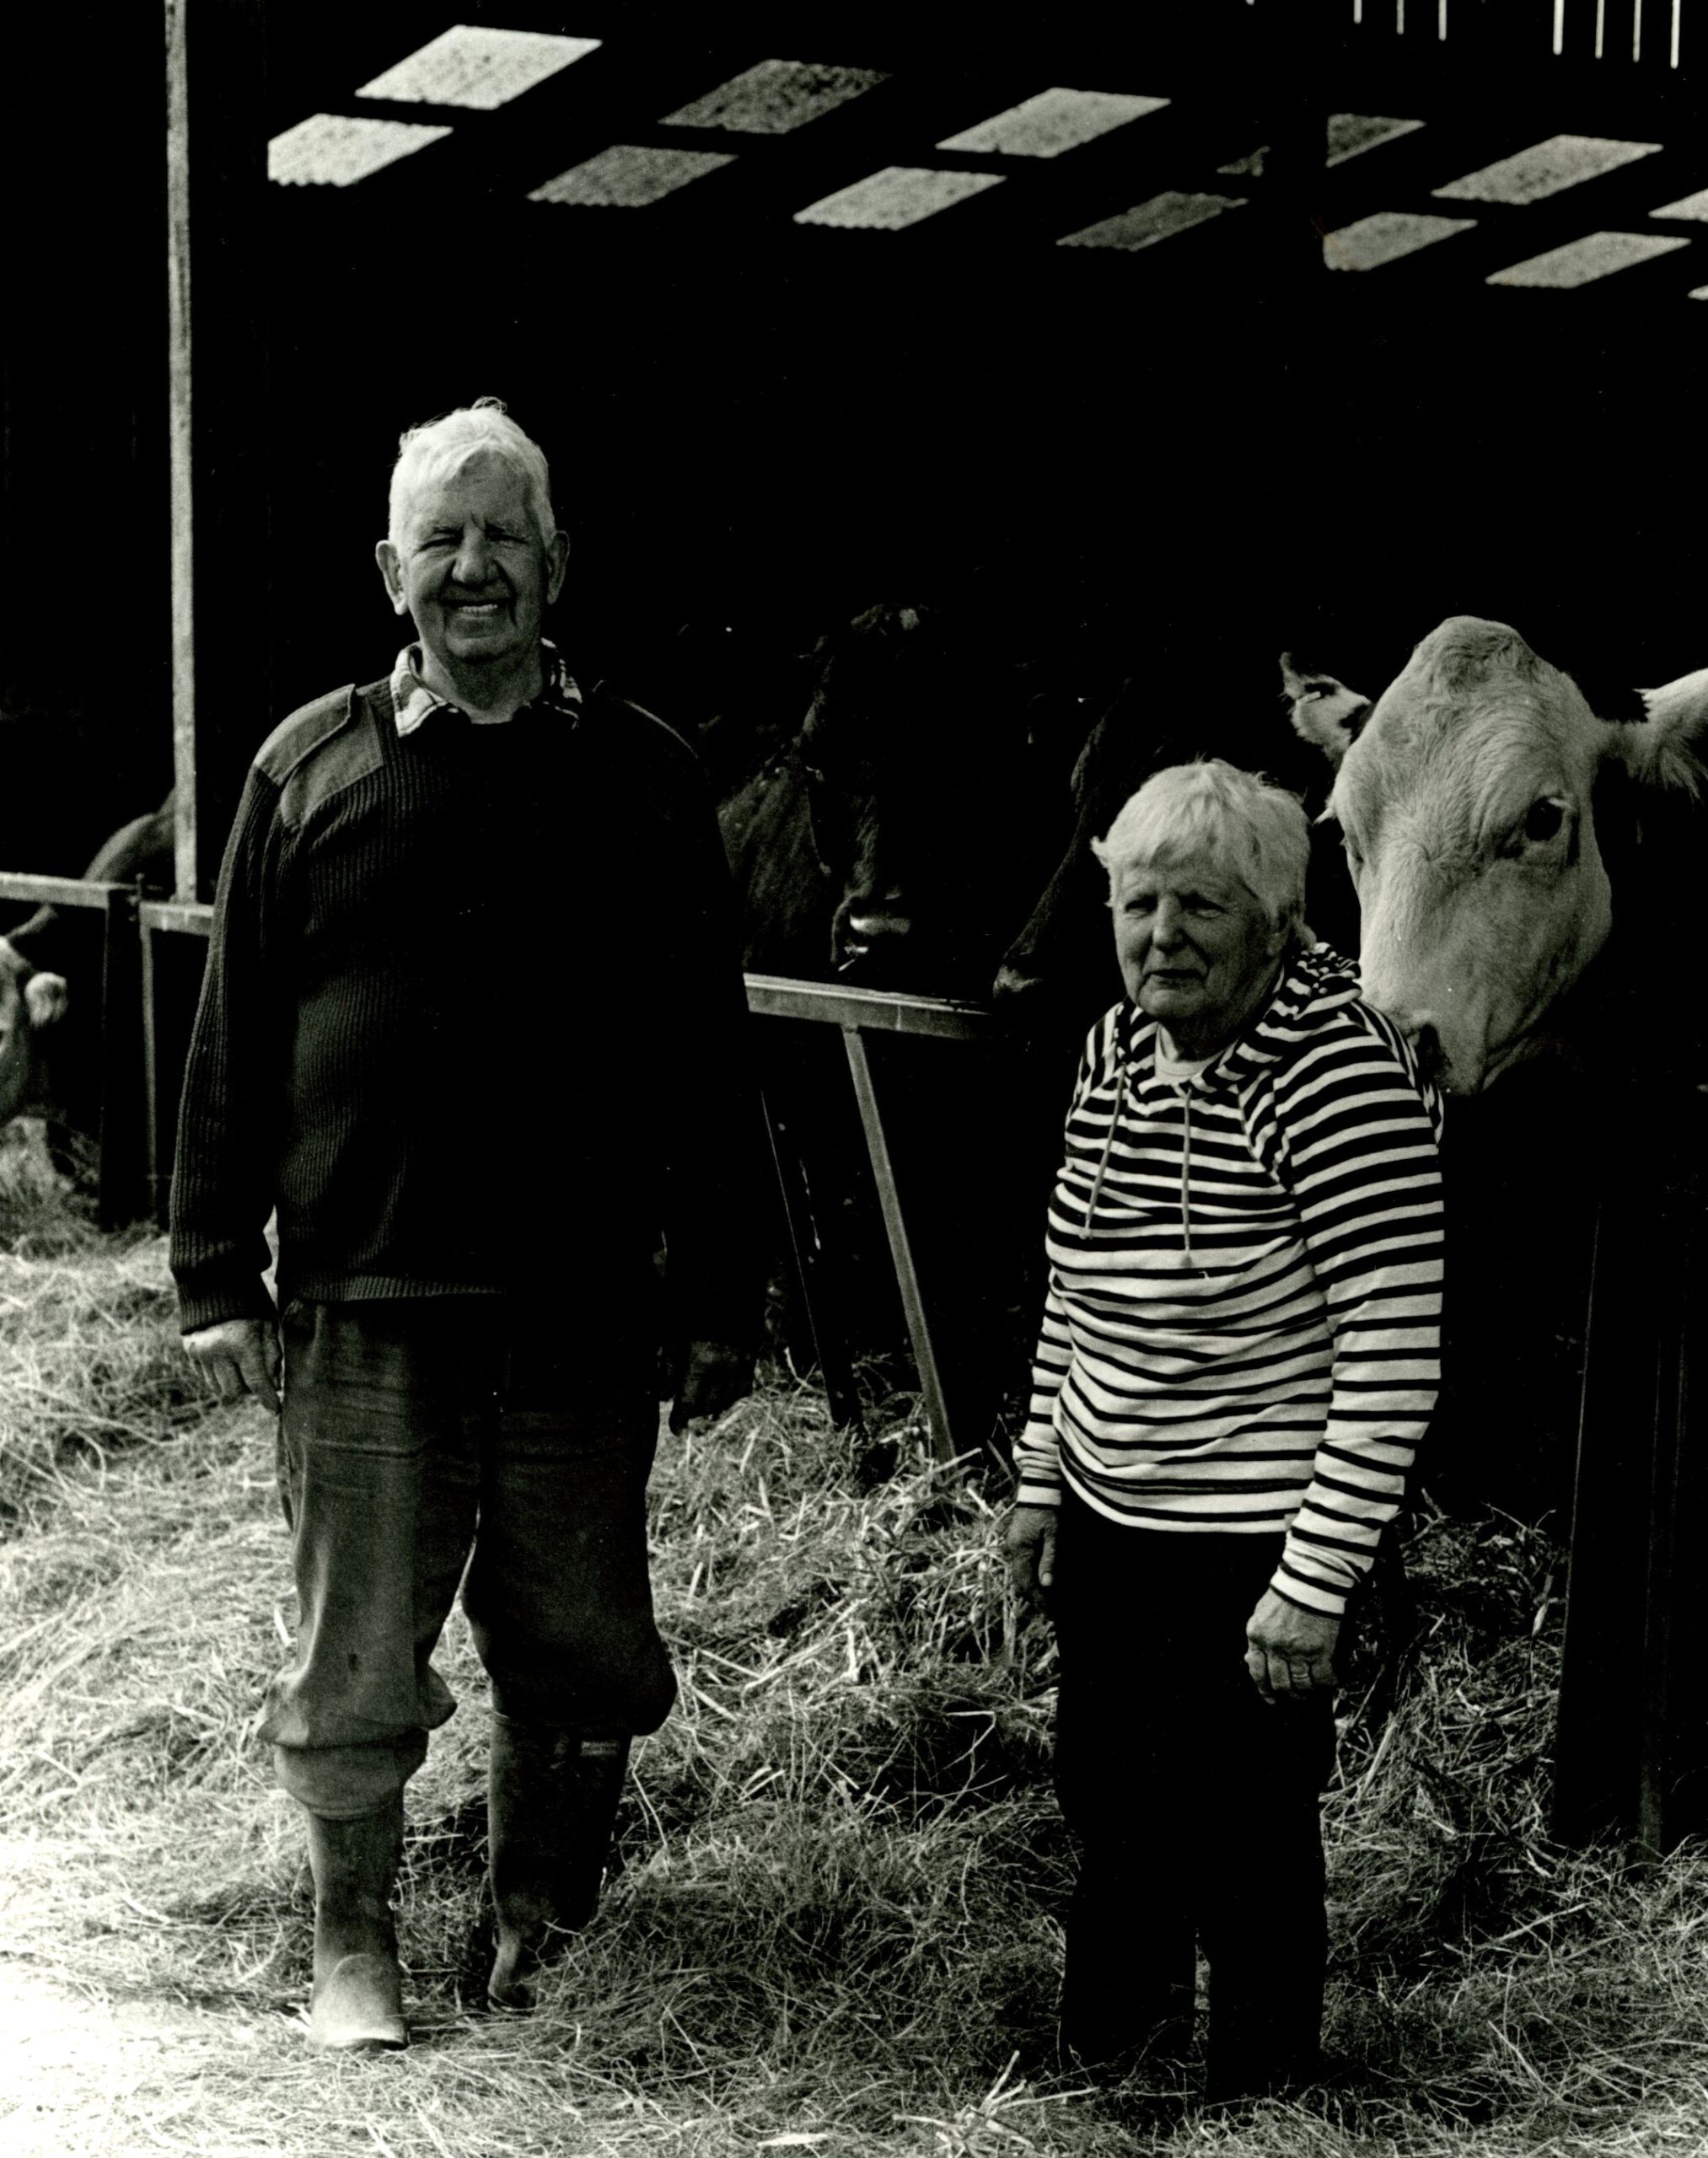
[(896, 843), (1059, 973), (934, 753), (49, 1045)]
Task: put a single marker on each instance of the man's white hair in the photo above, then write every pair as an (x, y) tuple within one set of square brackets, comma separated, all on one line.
[(1250, 829), (438, 448)]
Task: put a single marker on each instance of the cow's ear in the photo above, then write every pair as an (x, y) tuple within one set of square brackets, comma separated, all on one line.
[(1666, 749), (45, 999), (1323, 712)]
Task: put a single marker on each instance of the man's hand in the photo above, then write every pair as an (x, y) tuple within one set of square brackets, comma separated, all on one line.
[(1029, 1544), (1291, 1652), (243, 1356), (715, 1377)]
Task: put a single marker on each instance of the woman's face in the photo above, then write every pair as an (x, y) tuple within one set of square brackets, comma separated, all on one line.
[(1196, 949)]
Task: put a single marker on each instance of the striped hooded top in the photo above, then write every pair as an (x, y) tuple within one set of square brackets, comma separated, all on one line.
[(1242, 1330)]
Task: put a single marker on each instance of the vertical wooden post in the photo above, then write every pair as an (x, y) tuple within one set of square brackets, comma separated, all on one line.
[(1599, 1732), (1631, 1740), (181, 422), (216, 178)]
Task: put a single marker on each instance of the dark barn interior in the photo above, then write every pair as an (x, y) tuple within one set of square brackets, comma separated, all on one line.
[(768, 423), (1207, 382)]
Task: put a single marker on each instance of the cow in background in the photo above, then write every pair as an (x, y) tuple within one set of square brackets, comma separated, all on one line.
[(895, 842), (50, 1010), (1059, 973)]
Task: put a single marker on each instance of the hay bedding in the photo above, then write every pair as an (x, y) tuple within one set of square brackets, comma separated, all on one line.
[(835, 1928)]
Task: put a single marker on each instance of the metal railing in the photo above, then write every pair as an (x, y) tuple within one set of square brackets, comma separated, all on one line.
[(856, 1012)]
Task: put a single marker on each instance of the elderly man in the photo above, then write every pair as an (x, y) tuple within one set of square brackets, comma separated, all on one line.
[(1238, 1356), (473, 1023)]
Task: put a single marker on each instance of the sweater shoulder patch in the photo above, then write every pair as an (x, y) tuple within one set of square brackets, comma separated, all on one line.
[(320, 750)]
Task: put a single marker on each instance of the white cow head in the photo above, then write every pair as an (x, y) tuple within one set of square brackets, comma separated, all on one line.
[(29, 1004), (1464, 794)]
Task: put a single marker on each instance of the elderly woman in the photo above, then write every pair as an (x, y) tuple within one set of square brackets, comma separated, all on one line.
[(1239, 1354)]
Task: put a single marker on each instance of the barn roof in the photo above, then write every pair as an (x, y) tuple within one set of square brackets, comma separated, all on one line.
[(1561, 150)]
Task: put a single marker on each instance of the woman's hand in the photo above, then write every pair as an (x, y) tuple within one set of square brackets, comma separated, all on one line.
[(1290, 1651), (1029, 1543)]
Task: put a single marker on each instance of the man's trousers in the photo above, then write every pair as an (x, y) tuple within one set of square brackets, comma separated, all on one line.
[(1196, 1804), (486, 1441)]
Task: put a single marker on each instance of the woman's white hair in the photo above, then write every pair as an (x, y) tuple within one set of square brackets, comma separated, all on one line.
[(438, 448), (1248, 827)]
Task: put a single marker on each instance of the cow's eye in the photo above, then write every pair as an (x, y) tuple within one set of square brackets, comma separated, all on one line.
[(1543, 821)]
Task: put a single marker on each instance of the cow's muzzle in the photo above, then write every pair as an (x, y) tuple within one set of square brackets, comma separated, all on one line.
[(864, 931)]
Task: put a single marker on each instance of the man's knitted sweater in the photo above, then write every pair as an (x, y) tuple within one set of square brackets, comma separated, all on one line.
[(473, 1020)]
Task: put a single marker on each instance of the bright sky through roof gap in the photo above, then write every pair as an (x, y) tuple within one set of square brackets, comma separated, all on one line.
[(1546, 168), (1052, 121), (775, 97), (1387, 237), (328, 149), (629, 177), (1597, 254), (896, 196), (1693, 206), (1147, 222), (477, 68), (1350, 134)]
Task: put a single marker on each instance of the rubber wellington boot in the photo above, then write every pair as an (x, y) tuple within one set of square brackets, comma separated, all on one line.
[(357, 2006), (551, 1800)]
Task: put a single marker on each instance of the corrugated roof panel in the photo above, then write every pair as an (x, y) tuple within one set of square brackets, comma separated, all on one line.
[(1147, 222), (1350, 134), (328, 149), (628, 176), (898, 195), (1546, 168), (775, 97), (1052, 121), (1386, 237), (470, 65), (1596, 255), (1693, 206)]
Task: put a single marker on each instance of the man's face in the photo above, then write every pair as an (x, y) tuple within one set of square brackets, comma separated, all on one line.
[(471, 569)]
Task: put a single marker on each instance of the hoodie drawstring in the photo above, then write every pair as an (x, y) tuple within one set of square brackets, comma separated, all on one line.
[(1108, 1149), (1185, 1094)]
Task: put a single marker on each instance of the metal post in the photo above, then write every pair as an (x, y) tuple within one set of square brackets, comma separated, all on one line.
[(151, 1073), (118, 1194), (829, 1346), (900, 1250)]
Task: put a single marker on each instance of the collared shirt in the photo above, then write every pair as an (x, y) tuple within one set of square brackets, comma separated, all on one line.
[(413, 700)]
